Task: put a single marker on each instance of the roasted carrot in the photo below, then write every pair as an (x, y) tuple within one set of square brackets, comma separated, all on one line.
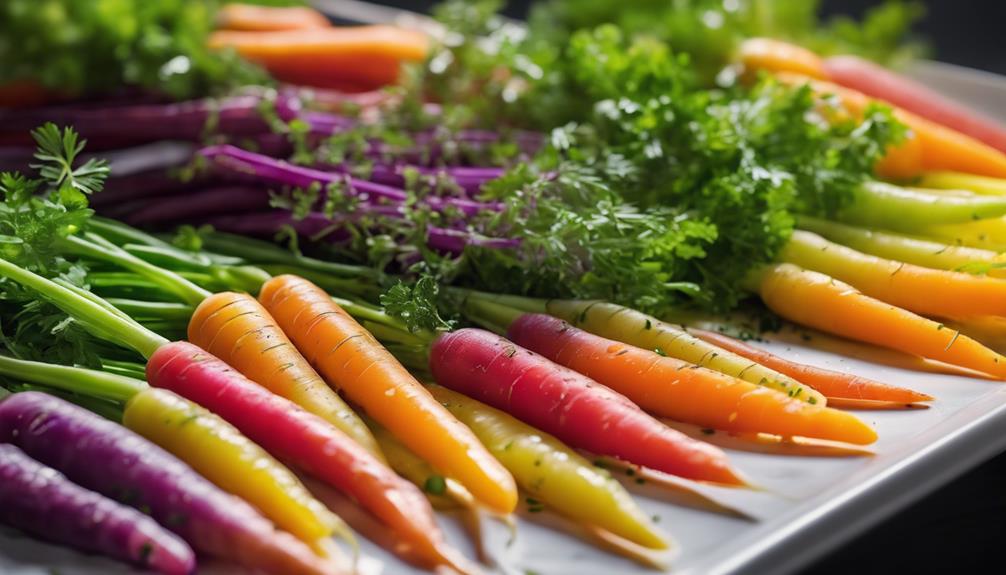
[(922, 290), (237, 329), (929, 146), (358, 57), (833, 384), (569, 405), (777, 56), (669, 387), (254, 18), (354, 363), (816, 300)]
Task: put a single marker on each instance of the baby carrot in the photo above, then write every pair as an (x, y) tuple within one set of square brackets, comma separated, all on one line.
[(250, 17), (569, 405), (833, 384), (958, 181), (636, 328), (940, 148), (816, 300), (353, 362), (915, 288), (669, 387), (356, 58), (553, 473), (306, 441), (237, 329)]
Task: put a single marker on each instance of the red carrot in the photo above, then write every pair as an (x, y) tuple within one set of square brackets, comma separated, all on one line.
[(571, 406), (307, 441)]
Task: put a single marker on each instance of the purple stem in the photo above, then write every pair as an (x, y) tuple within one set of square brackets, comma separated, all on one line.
[(239, 161), (204, 202)]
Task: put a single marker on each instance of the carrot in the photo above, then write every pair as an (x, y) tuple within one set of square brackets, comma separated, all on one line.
[(358, 57), (41, 501), (957, 181), (816, 300), (833, 384), (988, 329), (571, 406), (237, 329), (353, 362), (669, 387), (777, 56), (253, 18), (914, 97), (915, 288), (929, 146), (305, 440)]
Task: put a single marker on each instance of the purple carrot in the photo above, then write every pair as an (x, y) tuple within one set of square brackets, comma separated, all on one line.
[(468, 179), (203, 202), (42, 502), (103, 456), (236, 160), (235, 116)]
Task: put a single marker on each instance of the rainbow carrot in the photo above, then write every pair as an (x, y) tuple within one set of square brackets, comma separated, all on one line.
[(816, 300), (353, 58), (237, 329), (571, 406), (833, 384), (254, 18), (353, 362), (669, 387)]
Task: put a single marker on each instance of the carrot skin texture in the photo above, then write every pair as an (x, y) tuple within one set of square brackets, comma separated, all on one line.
[(254, 18), (669, 387), (915, 288), (357, 365), (876, 81), (572, 407), (357, 57), (834, 384), (72, 439), (218, 452), (41, 501), (237, 329), (553, 473), (302, 438), (816, 300)]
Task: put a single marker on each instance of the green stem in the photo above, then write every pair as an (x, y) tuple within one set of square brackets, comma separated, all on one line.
[(122, 234), (107, 409), (491, 315), (98, 319), (98, 248), (261, 252), (152, 309), (124, 368), (107, 386), (524, 304)]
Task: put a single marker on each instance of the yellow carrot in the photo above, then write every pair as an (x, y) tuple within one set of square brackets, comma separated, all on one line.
[(819, 301)]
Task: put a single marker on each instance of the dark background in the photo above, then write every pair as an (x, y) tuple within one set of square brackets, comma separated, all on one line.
[(962, 527)]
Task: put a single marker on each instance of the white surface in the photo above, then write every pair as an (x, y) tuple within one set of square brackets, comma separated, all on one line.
[(807, 505)]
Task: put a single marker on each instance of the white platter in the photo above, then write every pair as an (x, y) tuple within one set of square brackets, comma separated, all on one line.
[(808, 506)]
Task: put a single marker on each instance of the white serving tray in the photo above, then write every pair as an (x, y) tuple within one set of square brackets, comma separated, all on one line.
[(808, 505)]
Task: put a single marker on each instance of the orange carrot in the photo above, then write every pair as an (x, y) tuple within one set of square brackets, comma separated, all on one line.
[(253, 18), (669, 387), (833, 384), (237, 329), (816, 300), (353, 362), (929, 146), (358, 57), (778, 56)]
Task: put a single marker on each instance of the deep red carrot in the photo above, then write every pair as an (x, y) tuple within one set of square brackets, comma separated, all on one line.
[(42, 502), (571, 406), (307, 441)]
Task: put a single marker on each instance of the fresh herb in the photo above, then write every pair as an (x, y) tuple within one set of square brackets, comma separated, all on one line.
[(416, 305), (435, 485)]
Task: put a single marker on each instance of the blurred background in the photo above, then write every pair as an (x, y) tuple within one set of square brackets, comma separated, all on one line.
[(964, 32), (959, 528)]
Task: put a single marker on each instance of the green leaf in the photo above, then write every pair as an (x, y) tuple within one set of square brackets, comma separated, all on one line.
[(416, 305)]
